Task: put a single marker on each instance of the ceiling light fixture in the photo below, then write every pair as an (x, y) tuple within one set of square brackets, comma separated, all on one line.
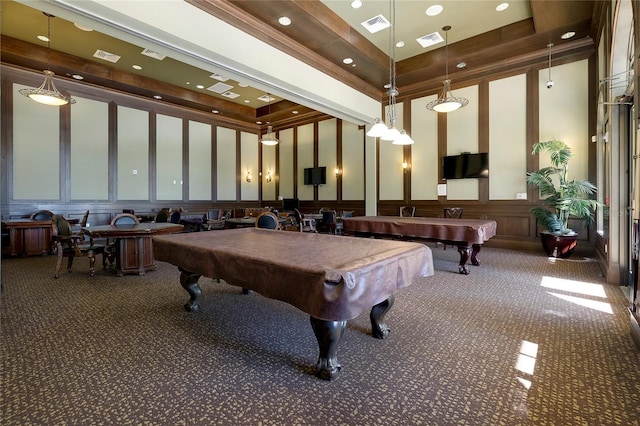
[(446, 102), (47, 93), (549, 82), (379, 128), (269, 138)]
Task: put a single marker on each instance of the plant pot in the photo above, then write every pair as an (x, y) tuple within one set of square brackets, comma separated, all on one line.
[(558, 245)]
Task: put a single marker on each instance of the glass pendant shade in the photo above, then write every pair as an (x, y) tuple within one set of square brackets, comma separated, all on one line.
[(378, 129), (446, 102), (403, 139), (269, 138), (391, 134)]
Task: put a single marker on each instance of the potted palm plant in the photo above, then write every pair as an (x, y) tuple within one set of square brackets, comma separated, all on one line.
[(561, 198)]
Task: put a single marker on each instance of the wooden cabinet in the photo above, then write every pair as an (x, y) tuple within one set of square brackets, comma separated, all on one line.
[(26, 237), (134, 255)]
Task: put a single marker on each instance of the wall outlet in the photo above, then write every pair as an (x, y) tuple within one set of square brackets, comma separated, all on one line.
[(521, 195)]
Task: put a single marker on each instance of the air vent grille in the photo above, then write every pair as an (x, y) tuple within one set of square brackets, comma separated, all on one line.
[(375, 24), (104, 55), (266, 98), (430, 39), (152, 54), (220, 87)]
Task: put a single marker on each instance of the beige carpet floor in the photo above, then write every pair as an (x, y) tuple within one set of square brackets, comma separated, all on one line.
[(522, 340)]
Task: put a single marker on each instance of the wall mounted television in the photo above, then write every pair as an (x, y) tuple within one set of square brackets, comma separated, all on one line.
[(465, 166), (315, 176), (290, 204)]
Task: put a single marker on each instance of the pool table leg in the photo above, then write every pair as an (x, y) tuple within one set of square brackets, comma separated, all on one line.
[(379, 329), (465, 252), (189, 281), (328, 334)]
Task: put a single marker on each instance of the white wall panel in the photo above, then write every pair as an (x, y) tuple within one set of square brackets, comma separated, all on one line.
[(507, 137), (352, 162), (199, 161), (327, 134), (89, 139), (168, 158), (226, 157), (286, 172), (36, 149), (424, 152), (391, 159), (249, 163), (305, 160), (133, 154), (269, 169), (462, 136)]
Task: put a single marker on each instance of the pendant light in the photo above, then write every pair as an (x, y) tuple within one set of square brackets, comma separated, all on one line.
[(269, 138), (549, 82), (379, 129), (47, 93), (446, 102)]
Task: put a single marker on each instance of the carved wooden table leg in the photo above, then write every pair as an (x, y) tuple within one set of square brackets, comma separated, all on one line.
[(465, 252), (189, 281), (328, 334), (379, 329), (474, 253)]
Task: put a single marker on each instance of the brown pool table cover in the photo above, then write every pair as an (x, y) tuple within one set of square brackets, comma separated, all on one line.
[(332, 278)]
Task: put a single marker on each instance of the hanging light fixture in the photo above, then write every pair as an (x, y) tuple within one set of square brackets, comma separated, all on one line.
[(269, 138), (47, 93), (549, 82), (379, 128), (446, 102)]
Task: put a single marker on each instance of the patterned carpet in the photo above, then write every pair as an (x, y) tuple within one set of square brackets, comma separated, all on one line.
[(523, 340)]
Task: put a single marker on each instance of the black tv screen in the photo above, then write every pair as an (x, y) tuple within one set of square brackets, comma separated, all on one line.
[(289, 204), (315, 176), (466, 166)]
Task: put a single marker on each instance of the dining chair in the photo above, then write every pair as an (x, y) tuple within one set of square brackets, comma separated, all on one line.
[(453, 212), (407, 211), (41, 215), (267, 220), (329, 221), (175, 216), (304, 224), (125, 219), (161, 217), (70, 245)]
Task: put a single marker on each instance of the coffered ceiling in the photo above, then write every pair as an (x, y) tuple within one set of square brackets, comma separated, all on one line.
[(331, 32)]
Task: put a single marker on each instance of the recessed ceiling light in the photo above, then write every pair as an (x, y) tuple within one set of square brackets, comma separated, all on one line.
[(347, 61), (77, 76), (82, 27), (284, 20), (434, 10), (200, 86), (294, 112), (136, 67), (568, 35), (258, 122), (461, 65), (502, 6), (400, 44), (215, 111), (188, 82), (157, 96), (43, 38), (353, 65), (356, 4), (246, 101), (243, 85)]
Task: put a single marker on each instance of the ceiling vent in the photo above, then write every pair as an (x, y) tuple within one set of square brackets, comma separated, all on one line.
[(230, 95), (110, 57), (266, 98), (430, 39), (152, 54), (220, 87), (375, 24), (218, 77)]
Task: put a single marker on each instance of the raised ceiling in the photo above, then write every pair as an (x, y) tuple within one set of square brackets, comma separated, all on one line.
[(480, 36)]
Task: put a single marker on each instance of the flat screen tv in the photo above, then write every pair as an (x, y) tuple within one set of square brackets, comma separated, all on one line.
[(315, 176), (465, 166)]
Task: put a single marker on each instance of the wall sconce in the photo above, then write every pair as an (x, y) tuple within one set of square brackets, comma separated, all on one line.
[(405, 166), (338, 171), (248, 177), (268, 177)]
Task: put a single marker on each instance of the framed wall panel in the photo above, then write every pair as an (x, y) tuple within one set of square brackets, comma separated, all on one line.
[(133, 154), (249, 164), (89, 139), (424, 152), (36, 149), (168, 158), (199, 161), (462, 136), (286, 170), (352, 162), (507, 137), (391, 159), (327, 134), (268, 177), (305, 159), (226, 176)]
